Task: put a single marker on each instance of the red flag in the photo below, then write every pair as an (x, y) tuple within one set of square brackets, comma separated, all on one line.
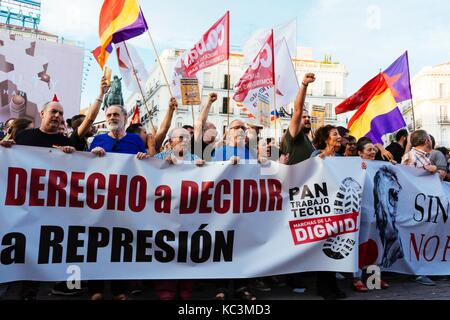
[(260, 74), (359, 98), (212, 49), (136, 119)]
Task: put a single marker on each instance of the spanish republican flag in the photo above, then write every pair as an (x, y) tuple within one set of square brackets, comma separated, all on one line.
[(120, 20), (378, 115), (376, 103)]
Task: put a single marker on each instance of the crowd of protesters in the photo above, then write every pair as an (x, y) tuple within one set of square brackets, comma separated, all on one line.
[(201, 144)]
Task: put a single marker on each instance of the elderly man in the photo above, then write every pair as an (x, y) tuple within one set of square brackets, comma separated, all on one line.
[(179, 150), (236, 148), (180, 141), (116, 141), (419, 157), (46, 136)]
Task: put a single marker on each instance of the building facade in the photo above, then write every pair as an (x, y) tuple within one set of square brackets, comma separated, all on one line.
[(431, 100), (327, 92)]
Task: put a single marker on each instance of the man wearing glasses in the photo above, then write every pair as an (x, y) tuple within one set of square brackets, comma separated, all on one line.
[(180, 143), (235, 149)]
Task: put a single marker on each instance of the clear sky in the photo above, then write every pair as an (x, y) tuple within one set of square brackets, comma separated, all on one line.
[(365, 36)]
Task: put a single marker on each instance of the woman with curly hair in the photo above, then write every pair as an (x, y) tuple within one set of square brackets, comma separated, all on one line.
[(327, 142)]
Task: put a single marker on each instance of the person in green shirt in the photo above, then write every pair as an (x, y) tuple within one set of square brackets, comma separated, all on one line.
[(297, 143)]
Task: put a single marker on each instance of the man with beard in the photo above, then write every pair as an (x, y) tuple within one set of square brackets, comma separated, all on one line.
[(297, 143), (397, 148), (116, 141)]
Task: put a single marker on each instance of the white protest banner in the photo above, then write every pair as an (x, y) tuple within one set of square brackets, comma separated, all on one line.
[(404, 226), (119, 218)]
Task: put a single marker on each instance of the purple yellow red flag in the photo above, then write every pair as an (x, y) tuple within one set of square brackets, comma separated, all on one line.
[(377, 103), (378, 115), (120, 20)]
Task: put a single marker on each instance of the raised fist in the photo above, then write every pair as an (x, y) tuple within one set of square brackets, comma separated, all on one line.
[(212, 97), (173, 104), (309, 78)]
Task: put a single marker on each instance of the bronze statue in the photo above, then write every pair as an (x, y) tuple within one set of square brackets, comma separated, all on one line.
[(114, 94)]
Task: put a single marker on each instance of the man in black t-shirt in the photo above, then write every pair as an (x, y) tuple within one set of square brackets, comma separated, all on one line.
[(45, 136), (397, 148)]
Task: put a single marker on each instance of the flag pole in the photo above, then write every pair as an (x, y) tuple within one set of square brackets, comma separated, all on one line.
[(229, 75), (412, 100), (139, 85), (159, 62), (228, 93), (275, 111), (413, 116), (157, 56), (274, 88)]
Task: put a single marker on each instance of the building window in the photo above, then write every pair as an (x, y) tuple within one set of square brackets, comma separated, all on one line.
[(444, 114), (329, 111), (329, 89), (225, 105), (226, 82)]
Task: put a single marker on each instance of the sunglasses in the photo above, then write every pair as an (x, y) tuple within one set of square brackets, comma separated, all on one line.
[(239, 127), (182, 138), (115, 145)]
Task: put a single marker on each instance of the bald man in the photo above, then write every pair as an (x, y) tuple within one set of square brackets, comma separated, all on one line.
[(47, 135)]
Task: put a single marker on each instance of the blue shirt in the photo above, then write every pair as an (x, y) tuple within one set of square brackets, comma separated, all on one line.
[(187, 157), (130, 144), (226, 152)]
